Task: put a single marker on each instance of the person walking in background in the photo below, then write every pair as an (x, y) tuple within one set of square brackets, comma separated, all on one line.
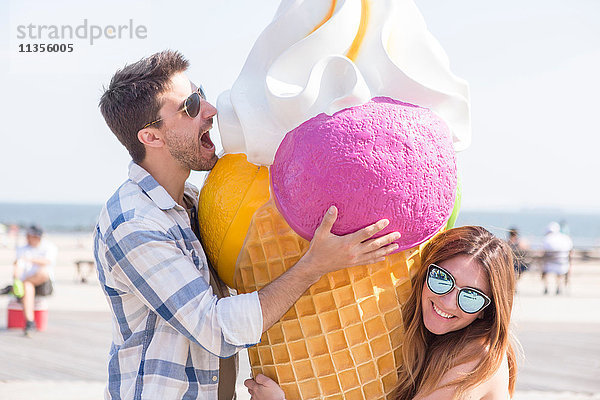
[(519, 248), (556, 260), (564, 228), (34, 267)]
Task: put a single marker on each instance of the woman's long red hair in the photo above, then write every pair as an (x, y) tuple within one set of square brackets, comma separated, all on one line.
[(427, 357)]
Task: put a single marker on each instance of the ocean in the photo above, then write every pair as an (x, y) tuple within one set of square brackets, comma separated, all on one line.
[(583, 228), (64, 218)]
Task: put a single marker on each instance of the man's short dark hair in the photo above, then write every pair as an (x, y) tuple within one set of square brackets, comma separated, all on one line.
[(131, 99), (35, 230)]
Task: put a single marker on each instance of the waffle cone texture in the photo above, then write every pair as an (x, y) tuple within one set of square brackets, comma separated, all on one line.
[(342, 339)]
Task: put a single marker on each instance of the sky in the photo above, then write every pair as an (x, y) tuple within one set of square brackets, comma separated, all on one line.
[(532, 68)]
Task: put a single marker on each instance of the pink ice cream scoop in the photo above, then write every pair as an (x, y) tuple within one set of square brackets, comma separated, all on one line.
[(383, 159)]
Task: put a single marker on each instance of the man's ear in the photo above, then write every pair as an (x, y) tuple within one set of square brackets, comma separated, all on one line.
[(150, 137)]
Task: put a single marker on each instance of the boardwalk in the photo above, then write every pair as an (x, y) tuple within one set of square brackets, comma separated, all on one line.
[(560, 337)]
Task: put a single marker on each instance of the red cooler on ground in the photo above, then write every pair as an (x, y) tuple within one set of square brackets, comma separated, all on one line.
[(16, 318)]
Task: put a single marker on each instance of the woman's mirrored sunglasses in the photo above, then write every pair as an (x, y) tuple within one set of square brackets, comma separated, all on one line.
[(441, 282), (191, 105)]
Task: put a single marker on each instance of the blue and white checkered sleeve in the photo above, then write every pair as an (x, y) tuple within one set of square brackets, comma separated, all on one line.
[(148, 261)]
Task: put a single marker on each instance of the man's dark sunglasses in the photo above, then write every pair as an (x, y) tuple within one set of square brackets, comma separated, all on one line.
[(191, 105)]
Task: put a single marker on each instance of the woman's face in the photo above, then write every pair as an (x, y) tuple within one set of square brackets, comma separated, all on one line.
[(441, 314)]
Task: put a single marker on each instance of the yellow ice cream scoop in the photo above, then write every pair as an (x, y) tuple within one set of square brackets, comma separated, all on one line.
[(233, 191)]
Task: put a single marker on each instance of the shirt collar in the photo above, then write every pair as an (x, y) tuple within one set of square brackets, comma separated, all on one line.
[(155, 191)]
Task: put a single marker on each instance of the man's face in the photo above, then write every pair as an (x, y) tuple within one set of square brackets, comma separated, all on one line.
[(187, 139), (33, 240)]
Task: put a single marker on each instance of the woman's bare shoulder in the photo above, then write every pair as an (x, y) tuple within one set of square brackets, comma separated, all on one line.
[(496, 387), (459, 371)]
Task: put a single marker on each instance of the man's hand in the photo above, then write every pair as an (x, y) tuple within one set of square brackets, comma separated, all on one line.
[(263, 388), (329, 252)]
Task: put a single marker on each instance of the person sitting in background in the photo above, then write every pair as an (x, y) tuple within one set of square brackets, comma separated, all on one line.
[(34, 267), (457, 342), (557, 256), (519, 248)]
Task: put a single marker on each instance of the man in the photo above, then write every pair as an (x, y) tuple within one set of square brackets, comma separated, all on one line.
[(174, 325), (556, 260), (34, 266)]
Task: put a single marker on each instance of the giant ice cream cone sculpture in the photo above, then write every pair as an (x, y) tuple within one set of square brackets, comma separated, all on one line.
[(343, 336), (309, 130)]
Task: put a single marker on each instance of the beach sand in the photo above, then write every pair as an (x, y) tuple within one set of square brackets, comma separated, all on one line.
[(560, 335)]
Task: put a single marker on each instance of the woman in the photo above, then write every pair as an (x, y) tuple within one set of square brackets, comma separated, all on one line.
[(457, 341)]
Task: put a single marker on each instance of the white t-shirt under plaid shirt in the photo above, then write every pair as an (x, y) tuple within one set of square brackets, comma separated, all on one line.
[(169, 329)]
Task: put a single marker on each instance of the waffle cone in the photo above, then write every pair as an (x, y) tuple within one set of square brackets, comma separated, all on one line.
[(342, 339)]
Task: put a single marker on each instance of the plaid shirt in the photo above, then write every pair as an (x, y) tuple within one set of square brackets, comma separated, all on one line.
[(169, 329)]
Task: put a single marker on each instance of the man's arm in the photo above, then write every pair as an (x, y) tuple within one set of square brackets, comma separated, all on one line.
[(139, 259), (146, 260), (39, 261), (25, 257), (327, 253)]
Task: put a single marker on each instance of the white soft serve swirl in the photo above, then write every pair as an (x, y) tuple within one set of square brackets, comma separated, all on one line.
[(291, 75)]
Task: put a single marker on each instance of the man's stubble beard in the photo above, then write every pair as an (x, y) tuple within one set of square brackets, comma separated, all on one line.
[(187, 153)]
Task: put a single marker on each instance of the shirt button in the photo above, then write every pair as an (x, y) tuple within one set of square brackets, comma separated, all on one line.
[(214, 378)]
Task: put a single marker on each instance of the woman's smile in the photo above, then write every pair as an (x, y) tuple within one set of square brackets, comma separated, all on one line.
[(441, 313)]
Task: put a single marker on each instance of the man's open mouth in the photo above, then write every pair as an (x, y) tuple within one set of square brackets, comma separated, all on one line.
[(205, 140)]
